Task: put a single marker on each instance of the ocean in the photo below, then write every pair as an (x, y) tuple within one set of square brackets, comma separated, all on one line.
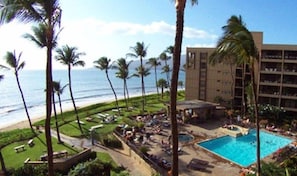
[(89, 86)]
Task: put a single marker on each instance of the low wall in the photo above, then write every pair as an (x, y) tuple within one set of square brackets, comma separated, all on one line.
[(147, 168), (64, 165)]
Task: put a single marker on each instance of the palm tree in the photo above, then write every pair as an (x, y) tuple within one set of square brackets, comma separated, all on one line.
[(103, 63), (123, 73), (140, 50), (3, 167), (59, 91), (69, 56), (238, 41), (166, 68), (227, 58), (14, 62), (47, 12), (142, 72), (180, 84), (163, 84), (180, 8), (154, 63)]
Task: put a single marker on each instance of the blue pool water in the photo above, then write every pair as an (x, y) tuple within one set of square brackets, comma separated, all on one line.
[(242, 150)]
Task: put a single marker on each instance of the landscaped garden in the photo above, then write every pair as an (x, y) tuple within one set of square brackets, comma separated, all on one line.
[(89, 117)]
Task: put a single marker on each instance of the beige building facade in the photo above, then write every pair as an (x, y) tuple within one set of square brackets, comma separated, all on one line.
[(276, 75)]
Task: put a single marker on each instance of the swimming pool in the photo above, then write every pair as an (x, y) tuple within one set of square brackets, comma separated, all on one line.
[(242, 150)]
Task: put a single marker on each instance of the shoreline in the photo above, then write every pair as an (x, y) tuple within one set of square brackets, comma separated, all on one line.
[(25, 124)]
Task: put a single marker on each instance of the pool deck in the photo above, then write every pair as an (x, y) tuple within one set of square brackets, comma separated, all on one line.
[(202, 131)]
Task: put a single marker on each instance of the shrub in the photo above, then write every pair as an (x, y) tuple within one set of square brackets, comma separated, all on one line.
[(91, 168), (111, 141)]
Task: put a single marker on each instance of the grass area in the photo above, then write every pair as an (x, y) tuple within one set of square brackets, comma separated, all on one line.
[(16, 160), (68, 126)]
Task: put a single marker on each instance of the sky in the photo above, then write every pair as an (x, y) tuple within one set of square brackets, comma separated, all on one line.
[(111, 27)]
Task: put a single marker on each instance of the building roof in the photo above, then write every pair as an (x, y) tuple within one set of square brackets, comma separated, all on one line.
[(194, 104)]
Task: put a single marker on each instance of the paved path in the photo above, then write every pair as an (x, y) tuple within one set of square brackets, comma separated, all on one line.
[(120, 158)]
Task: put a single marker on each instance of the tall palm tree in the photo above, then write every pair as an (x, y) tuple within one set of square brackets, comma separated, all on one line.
[(123, 73), (14, 62), (69, 56), (103, 63), (140, 50), (47, 12), (154, 63), (237, 40), (58, 89), (180, 9)]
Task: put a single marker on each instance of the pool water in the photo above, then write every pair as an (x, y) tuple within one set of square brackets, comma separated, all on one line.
[(242, 150), (182, 137)]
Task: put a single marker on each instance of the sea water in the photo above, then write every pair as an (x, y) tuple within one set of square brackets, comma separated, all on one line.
[(88, 86)]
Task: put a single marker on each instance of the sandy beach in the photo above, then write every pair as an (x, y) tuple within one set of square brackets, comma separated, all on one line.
[(20, 125)]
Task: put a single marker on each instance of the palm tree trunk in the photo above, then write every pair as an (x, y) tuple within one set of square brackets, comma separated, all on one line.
[(60, 104), (126, 87), (56, 120), (24, 102), (49, 89), (142, 86), (2, 164), (114, 93), (180, 6), (243, 91), (72, 99), (156, 80), (125, 97), (256, 119)]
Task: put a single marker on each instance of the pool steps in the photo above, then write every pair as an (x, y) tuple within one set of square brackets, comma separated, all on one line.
[(234, 130)]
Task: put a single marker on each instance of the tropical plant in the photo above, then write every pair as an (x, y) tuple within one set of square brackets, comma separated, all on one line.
[(2, 162), (47, 12), (69, 56), (154, 63), (180, 84), (238, 42), (180, 9), (123, 73), (140, 50), (141, 72), (58, 89), (14, 62), (103, 63), (162, 83), (219, 56), (166, 68)]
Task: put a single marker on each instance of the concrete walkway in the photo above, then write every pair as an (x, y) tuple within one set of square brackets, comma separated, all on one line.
[(120, 158)]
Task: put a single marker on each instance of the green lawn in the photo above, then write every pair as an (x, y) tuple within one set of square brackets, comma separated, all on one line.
[(16, 160), (69, 127)]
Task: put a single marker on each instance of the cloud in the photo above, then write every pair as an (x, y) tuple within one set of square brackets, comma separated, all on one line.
[(98, 38), (103, 28)]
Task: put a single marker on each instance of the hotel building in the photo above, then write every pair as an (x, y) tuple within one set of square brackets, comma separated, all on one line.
[(275, 73)]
